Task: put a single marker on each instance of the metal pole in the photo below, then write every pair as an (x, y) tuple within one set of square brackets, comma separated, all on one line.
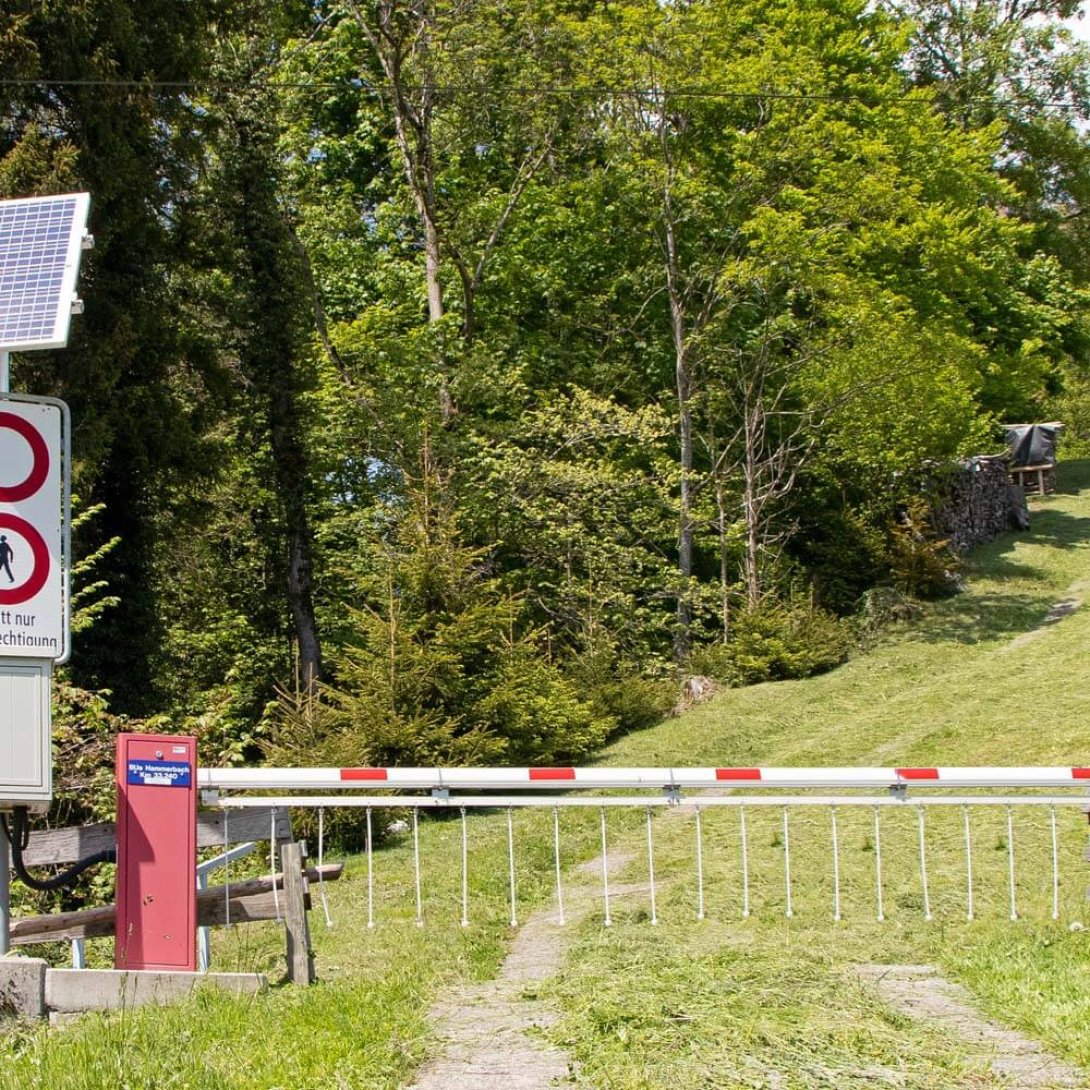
[(5, 895), (511, 867), (5, 853), (204, 937), (699, 868)]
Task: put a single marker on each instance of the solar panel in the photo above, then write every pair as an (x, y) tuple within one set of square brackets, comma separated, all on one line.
[(40, 243)]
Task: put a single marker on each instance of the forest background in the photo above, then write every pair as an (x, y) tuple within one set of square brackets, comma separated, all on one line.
[(457, 374)]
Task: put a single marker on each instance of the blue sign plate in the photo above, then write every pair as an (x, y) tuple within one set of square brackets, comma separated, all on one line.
[(159, 773)]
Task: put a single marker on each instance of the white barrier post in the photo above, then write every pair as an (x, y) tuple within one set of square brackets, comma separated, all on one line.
[(321, 875), (511, 864), (1055, 864), (465, 870), (1010, 861), (605, 867), (878, 862), (787, 862), (745, 863), (556, 857), (836, 867), (370, 875), (651, 868), (699, 868), (923, 865), (416, 869), (968, 864)]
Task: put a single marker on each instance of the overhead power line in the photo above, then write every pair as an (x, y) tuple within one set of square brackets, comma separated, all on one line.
[(515, 91)]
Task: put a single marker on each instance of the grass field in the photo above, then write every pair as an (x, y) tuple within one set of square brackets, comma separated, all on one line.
[(725, 1002)]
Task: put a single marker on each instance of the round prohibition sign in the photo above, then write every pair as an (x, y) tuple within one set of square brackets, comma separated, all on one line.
[(14, 596), (39, 468)]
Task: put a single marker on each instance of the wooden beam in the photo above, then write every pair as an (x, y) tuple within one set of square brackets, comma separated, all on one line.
[(63, 846), (219, 829), (300, 955), (249, 901), (215, 829)]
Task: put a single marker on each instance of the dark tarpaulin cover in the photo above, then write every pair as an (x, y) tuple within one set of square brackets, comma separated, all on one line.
[(1032, 444)]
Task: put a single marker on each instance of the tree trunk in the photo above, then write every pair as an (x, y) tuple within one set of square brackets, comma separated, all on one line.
[(724, 558), (274, 284), (682, 638), (413, 131), (751, 506)]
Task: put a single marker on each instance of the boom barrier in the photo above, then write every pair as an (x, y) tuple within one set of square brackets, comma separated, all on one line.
[(912, 790), (545, 779)]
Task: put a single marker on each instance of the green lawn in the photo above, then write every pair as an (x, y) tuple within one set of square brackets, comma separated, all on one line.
[(724, 1001)]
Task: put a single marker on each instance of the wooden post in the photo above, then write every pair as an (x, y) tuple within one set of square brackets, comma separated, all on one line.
[(300, 955)]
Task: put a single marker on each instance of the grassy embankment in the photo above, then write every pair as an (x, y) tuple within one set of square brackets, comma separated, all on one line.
[(722, 1002)]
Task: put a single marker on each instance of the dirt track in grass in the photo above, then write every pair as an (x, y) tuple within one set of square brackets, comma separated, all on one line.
[(488, 1033)]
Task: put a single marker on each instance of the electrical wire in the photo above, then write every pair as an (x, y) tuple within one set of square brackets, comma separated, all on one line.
[(18, 835), (523, 91)]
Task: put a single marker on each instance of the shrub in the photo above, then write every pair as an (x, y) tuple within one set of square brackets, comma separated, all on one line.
[(632, 695), (776, 642), (539, 714), (921, 564)]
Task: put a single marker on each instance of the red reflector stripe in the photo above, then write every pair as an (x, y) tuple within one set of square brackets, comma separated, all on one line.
[(552, 773), (1080, 773), (363, 774), (918, 773), (737, 773)]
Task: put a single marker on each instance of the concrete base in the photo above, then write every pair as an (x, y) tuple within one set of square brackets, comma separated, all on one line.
[(77, 990), (30, 989), (22, 986)]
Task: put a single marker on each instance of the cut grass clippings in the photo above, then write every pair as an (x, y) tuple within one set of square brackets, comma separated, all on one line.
[(771, 1001)]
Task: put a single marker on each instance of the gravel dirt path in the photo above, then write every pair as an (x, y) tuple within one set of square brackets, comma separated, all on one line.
[(920, 991), (488, 1033)]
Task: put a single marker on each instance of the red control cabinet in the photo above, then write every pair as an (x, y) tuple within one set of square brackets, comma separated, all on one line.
[(156, 852)]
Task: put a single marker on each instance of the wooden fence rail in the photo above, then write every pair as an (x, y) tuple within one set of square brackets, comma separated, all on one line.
[(285, 895), (215, 829)]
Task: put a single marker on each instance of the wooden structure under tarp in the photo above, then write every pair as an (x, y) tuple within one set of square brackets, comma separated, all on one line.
[(1033, 456)]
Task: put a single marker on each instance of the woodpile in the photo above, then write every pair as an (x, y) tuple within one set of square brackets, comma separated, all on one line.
[(978, 502)]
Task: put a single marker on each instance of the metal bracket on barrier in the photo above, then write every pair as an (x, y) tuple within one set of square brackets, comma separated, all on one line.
[(442, 793), (672, 794), (899, 791), (210, 796)]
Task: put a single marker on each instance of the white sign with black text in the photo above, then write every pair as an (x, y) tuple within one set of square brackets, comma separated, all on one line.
[(32, 613)]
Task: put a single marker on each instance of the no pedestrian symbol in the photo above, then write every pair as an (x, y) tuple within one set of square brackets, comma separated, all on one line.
[(31, 574)]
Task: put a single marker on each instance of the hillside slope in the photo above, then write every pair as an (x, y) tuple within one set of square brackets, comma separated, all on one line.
[(999, 675), (985, 677)]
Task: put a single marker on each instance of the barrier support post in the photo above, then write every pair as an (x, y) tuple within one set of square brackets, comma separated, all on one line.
[(300, 954)]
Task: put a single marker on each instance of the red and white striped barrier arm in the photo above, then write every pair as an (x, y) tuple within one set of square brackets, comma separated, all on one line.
[(571, 778)]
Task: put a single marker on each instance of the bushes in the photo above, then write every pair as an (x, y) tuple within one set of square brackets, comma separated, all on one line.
[(776, 642), (921, 564), (440, 665), (615, 687), (539, 713)]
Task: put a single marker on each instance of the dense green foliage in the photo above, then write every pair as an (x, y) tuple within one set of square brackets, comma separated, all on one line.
[(453, 372)]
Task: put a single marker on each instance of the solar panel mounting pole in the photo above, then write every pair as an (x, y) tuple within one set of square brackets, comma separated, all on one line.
[(41, 243), (5, 849)]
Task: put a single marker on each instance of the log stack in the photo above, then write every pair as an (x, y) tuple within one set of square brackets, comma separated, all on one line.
[(978, 502)]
